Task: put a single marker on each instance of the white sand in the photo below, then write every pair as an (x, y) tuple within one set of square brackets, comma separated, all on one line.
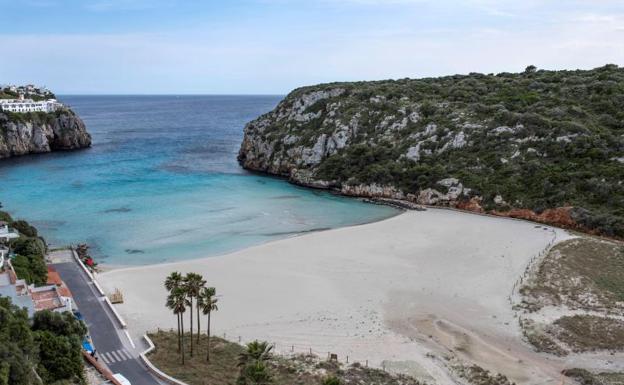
[(422, 282)]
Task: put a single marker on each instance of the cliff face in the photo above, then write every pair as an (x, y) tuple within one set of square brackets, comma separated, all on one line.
[(545, 145), (31, 133)]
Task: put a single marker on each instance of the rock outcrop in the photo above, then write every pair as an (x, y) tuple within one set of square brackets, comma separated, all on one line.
[(501, 144), (33, 133)]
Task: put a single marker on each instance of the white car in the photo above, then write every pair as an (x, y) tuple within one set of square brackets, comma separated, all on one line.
[(122, 380)]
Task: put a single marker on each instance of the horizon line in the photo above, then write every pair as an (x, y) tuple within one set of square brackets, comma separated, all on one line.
[(164, 94)]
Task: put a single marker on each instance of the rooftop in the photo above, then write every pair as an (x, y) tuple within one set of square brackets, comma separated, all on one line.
[(55, 279), (47, 299)]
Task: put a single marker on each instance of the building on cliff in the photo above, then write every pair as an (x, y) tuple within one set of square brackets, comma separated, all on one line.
[(29, 105)]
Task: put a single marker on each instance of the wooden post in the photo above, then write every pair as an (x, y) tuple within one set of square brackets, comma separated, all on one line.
[(367, 363), (347, 359), (292, 349)]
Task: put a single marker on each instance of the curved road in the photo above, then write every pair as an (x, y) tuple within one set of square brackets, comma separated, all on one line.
[(112, 345)]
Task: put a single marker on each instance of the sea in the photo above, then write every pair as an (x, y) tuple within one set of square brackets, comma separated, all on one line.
[(161, 183)]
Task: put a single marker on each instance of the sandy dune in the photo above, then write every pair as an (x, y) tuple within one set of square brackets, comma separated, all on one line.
[(403, 293)]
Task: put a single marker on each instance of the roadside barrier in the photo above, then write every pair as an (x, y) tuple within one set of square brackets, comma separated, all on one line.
[(154, 369), (121, 321), (82, 265)]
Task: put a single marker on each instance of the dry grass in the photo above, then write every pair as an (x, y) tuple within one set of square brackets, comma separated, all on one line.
[(476, 375), (222, 369), (539, 338), (587, 333), (584, 273), (585, 377)]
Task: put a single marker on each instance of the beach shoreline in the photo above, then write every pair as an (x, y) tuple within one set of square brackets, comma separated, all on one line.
[(377, 292)]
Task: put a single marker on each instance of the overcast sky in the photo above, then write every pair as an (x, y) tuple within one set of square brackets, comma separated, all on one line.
[(273, 46)]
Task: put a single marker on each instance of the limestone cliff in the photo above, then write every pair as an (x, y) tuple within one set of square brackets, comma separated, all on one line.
[(31, 133), (520, 145)]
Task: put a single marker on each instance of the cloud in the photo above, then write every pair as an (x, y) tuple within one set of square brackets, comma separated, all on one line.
[(273, 53)]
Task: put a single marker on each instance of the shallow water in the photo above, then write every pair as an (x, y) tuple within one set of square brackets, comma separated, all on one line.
[(161, 183)]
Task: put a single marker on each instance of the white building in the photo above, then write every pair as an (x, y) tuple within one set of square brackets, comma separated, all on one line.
[(29, 105), (7, 233)]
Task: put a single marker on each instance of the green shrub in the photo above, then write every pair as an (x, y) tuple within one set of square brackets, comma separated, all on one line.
[(24, 228)]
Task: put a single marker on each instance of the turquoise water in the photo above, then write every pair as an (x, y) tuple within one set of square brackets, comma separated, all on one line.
[(161, 183)]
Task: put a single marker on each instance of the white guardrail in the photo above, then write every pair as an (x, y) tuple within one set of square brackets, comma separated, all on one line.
[(154, 369)]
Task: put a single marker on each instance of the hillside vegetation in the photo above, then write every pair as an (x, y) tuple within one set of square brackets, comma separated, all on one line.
[(44, 350), (535, 140)]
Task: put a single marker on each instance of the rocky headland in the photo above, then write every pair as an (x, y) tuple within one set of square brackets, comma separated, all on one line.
[(547, 146), (40, 132)]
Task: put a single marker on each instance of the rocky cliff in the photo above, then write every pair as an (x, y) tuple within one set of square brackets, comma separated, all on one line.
[(541, 145), (30, 133)]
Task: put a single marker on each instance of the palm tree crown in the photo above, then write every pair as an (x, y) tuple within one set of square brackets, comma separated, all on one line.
[(176, 301), (174, 280), (207, 301), (194, 283), (256, 352)]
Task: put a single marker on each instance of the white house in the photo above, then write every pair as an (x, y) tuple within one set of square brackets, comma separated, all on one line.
[(6, 233), (29, 105)]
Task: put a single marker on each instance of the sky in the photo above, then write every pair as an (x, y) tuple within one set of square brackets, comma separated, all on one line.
[(274, 46)]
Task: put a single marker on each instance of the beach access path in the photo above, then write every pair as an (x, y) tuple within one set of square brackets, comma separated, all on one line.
[(112, 345)]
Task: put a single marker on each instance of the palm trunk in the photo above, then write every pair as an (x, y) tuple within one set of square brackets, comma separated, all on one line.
[(182, 323), (179, 340), (208, 341), (198, 323), (191, 318)]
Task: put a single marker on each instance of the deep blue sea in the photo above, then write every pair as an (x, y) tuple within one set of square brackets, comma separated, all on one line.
[(161, 183)]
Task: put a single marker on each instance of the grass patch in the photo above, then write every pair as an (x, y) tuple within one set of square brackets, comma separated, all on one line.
[(583, 273), (223, 370), (540, 340), (476, 375), (220, 370), (585, 377), (587, 333)]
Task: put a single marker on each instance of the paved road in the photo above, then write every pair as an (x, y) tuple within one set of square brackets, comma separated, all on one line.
[(112, 346)]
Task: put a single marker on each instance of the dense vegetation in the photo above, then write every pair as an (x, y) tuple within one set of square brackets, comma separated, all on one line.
[(539, 139), (47, 347), (6, 93), (29, 248), (37, 118)]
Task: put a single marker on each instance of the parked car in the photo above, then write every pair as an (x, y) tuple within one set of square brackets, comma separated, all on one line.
[(122, 380)]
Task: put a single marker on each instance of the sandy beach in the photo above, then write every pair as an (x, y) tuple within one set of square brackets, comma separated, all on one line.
[(419, 293)]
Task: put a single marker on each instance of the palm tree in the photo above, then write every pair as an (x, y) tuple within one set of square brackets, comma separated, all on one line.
[(256, 351), (178, 302), (207, 302), (193, 283), (252, 362), (172, 282), (196, 284)]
